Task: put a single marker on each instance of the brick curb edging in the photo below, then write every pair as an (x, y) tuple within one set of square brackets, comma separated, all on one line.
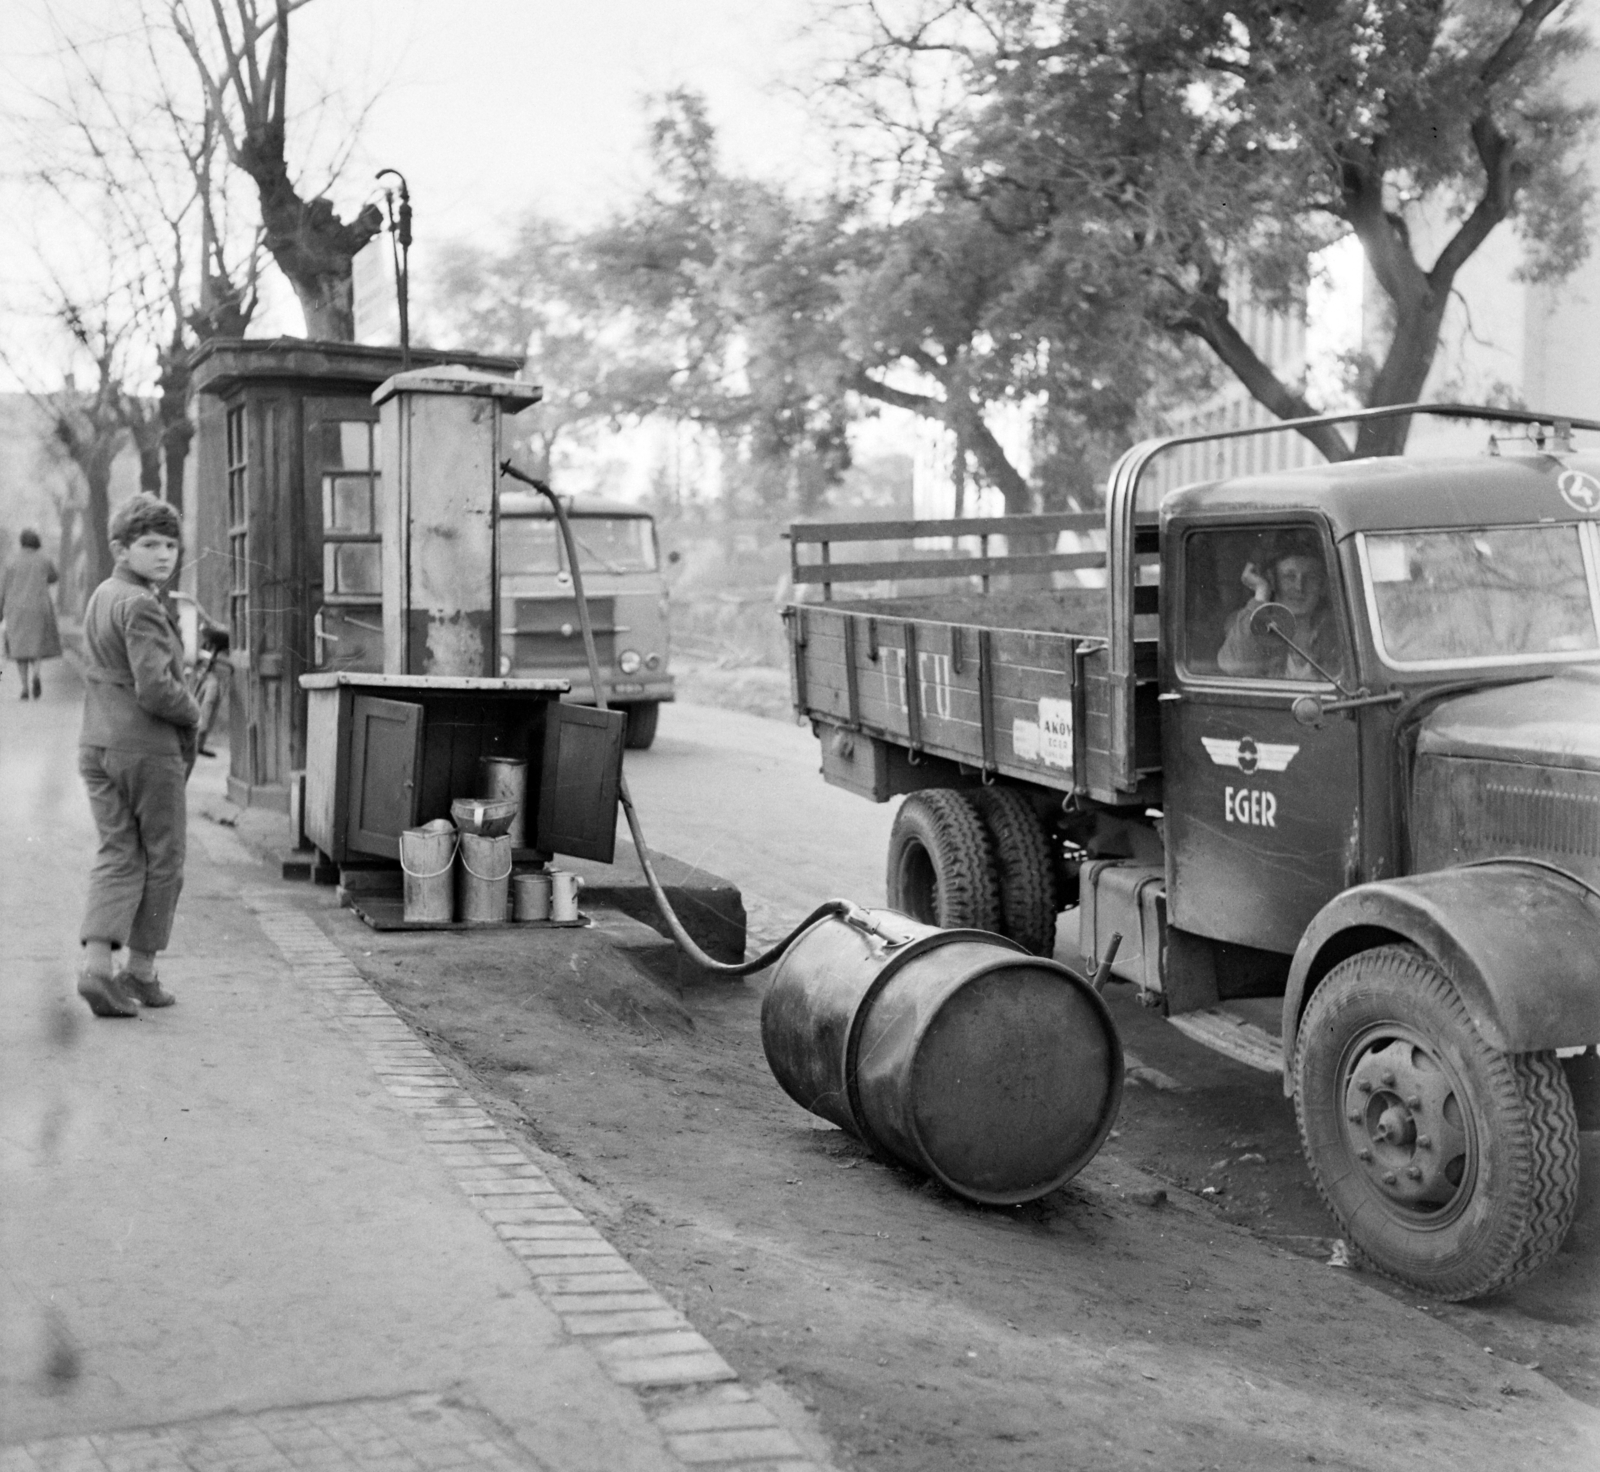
[(706, 1418)]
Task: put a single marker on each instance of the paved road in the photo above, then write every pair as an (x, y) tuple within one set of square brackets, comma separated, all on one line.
[(743, 797)]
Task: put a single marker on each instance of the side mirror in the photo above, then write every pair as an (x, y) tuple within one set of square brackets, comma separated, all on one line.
[(1272, 618), (1307, 711)]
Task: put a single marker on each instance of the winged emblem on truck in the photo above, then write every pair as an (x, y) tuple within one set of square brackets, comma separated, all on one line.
[(1249, 755)]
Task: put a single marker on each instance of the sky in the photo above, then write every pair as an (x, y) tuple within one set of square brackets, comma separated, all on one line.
[(492, 107)]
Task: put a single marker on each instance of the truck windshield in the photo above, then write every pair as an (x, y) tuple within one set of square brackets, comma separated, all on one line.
[(617, 544), (1482, 596)]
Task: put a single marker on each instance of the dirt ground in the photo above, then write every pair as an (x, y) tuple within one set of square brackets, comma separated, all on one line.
[(1123, 1321)]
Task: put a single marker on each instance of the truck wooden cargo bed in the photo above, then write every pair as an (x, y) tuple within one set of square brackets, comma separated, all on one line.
[(998, 682)]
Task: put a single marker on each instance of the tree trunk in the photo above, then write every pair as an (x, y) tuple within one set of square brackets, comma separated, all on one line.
[(1404, 373), (144, 423), (1206, 317), (314, 249), (173, 413), (96, 469), (985, 448), (69, 555)]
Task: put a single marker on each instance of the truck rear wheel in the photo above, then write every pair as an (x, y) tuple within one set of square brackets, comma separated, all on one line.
[(941, 863), (1451, 1167), (641, 729), (1023, 863)]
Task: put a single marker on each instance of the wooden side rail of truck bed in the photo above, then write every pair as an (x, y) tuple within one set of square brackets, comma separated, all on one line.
[(824, 536), (995, 680)]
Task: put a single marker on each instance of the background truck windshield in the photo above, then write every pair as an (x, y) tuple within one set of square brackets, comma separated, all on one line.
[(1479, 597), (531, 544)]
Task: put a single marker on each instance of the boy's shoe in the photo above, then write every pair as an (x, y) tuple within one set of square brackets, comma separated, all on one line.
[(105, 996), (147, 993)]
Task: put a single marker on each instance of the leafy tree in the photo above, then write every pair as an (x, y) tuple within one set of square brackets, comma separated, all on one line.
[(1148, 151), (934, 303)]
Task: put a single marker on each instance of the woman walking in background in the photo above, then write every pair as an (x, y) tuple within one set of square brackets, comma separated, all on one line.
[(27, 613)]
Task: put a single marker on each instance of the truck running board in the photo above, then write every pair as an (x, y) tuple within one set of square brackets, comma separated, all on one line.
[(1223, 1032)]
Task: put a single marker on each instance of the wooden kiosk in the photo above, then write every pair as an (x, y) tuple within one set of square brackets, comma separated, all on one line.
[(389, 751), (285, 544)]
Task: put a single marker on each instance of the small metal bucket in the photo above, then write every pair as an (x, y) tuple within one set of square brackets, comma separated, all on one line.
[(564, 887), (482, 878), (530, 896), (951, 1051), (506, 777), (427, 857)]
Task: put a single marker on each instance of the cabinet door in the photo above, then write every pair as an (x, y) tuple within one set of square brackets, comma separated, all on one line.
[(582, 775), (385, 756)]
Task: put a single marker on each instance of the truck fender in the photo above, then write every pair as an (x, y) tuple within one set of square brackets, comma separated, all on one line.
[(1518, 938)]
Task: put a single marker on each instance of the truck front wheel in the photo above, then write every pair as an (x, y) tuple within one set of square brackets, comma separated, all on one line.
[(941, 863), (1451, 1167)]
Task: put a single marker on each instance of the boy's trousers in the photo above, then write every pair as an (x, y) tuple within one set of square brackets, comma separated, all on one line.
[(141, 810)]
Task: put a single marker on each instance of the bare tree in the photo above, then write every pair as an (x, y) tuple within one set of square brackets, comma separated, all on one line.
[(90, 426), (135, 163), (242, 56)]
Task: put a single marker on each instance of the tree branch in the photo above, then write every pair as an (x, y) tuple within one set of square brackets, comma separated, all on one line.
[(1206, 317), (1515, 46)]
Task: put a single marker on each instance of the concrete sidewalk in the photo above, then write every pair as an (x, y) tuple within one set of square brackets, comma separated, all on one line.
[(266, 1229)]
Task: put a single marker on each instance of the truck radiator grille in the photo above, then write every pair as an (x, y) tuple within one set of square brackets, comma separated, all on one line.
[(545, 633), (1542, 819), (1468, 808)]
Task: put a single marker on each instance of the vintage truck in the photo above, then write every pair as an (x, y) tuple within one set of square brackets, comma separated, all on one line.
[(627, 595), (1330, 734)]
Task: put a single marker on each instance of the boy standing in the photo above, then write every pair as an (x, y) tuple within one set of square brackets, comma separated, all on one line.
[(135, 755)]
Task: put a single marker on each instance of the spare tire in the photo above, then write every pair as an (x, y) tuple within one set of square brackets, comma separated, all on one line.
[(1024, 865), (941, 863)]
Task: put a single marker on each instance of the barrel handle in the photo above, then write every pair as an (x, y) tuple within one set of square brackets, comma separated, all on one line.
[(857, 918)]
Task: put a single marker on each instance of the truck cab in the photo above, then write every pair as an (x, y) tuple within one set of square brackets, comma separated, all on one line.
[(1437, 691), (622, 576), (1327, 736)]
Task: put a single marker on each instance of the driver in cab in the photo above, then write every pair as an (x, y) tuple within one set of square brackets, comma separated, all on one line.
[(1297, 578)]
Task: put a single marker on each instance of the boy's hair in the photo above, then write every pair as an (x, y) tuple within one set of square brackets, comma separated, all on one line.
[(140, 515), (29, 538)]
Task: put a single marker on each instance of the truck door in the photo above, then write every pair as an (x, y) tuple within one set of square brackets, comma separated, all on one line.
[(1262, 813)]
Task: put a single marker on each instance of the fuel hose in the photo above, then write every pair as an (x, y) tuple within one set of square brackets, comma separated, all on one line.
[(851, 913)]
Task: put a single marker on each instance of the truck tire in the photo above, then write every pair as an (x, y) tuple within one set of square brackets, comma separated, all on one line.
[(941, 863), (1451, 1167), (1024, 865), (641, 729)]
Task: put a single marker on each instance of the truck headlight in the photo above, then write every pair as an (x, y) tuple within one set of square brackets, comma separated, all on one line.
[(629, 661), (652, 661)]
